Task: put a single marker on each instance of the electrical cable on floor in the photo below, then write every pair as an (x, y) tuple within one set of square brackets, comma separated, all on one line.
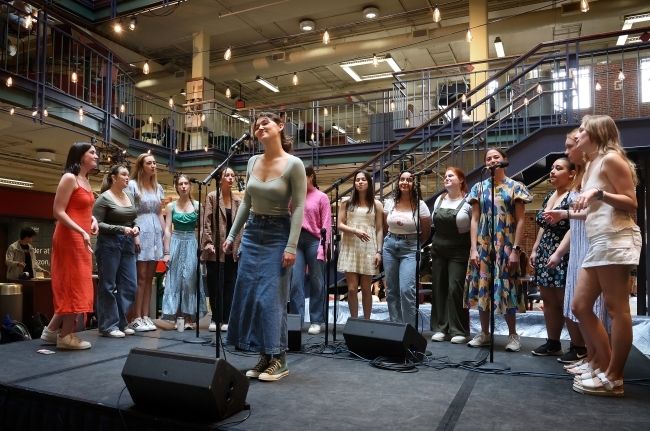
[(119, 410), (246, 407)]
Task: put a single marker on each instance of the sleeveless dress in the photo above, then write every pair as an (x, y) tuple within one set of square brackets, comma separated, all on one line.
[(151, 231), (72, 265), (180, 284), (548, 244), (358, 256)]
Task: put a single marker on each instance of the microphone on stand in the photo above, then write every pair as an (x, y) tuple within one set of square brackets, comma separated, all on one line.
[(426, 171), (243, 138), (503, 164)]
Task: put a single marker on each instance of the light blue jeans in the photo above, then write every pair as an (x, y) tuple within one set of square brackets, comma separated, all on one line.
[(306, 256), (258, 317), (117, 282), (399, 267)]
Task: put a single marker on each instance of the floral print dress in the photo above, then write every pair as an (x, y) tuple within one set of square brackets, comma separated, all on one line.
[(508, 292), (550, 241)]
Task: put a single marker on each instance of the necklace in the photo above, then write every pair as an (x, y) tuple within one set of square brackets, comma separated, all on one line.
[(120, 198)]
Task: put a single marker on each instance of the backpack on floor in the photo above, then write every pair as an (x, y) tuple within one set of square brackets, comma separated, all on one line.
[(36, 324)]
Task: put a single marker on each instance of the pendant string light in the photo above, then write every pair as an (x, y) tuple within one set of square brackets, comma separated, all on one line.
[(28, 22), (10, 81), (326, 37), (436, 14), (11, 111), (145, 68), (408, 123), (392, 105), (228, 93), (45, 112), (375, 60), (584, 5), (81, 113), (358, 130), (526, 101), (468, 36), (228, 54), (295, 78), (74, 78), (150, 120), (325, 112), (122, 108), (540, 90), (171, 102), (621, 76), (598, 86)]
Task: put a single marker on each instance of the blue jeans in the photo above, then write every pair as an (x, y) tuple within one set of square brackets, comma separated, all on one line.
[(117, 282), (258, 316), (306, 256), (399, 266)]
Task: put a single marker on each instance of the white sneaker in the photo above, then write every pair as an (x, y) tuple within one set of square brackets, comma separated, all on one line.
[(116, 333), (138, 325), (128, 331), (514, 344), (71, 342), (459, 339), (481, 339), (212, 327), (224, 327), (147, 321), (314, 329), (49, 336), (440, 336)]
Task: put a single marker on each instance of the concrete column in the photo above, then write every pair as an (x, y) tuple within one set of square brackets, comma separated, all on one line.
[(201, 55), (478, 50)]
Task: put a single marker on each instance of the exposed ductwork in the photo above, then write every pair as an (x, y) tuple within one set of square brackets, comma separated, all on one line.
[(247, 69)]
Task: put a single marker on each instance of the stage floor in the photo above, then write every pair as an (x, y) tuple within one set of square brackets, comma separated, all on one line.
[(324, 391)]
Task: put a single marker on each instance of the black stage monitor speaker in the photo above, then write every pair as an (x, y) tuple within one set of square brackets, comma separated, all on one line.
[(294, 330), (175, 382), (372, 338)]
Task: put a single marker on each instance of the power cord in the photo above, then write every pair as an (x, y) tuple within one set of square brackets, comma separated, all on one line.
[(119, 410), (246, 407)]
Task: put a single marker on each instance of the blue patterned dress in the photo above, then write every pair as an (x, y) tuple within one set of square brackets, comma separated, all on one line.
[(148, 206), (508, 293), (551, 238)]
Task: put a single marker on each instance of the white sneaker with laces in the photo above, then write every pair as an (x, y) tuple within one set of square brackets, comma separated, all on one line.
[(481, 339), (138, 325), (314, 329), (459, 339), (212, 327), (440, 336), (116, 333), (71, 342), (49, 336), (514, 343), (128, 331), (224, 327), (149, 323)]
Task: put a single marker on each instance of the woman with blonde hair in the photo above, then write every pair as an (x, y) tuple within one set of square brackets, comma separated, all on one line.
[(608, 195), (179, 298), (148, 196)]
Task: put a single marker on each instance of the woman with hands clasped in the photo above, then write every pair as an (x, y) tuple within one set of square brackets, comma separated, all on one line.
[(115, 250), (608, 196), (360, 220)]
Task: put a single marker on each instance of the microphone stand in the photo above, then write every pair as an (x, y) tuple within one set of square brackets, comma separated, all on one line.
[(492, 366), (323, 242), (418, 192), (336, 239)]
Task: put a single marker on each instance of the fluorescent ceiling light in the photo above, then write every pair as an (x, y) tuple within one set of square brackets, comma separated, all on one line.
[(267, 84), (16, 183), (340, 129), (240, 118), (627, 24), (348, 65), (498, 45)]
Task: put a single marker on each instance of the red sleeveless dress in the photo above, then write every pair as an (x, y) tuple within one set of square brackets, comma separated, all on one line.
[(72, 265)]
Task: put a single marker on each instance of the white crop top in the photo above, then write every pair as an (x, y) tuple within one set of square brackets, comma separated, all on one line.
[(403, 222)]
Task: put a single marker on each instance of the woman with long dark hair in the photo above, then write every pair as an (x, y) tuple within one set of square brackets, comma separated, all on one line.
[(222, 212), (608, 196), (510, 199), (309, 255), (452, 216), (149, 245), (258, 318), (115, 250), (72, 265), (360, 222), (400, 223)]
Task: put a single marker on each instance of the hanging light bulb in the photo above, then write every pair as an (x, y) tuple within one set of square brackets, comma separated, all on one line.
[(117, 26), (122, 108), (598, 86), (540, 90), (123, 152), (171, 102), (150, 120), (176, 150), (526, 101), (436, 14), (149, 151), (358, 130), (312, 136), (202, 117), (81, 111), (326, 37), (468, 36), (11, 111), (228, 54), (145, 68), (228, 93), (375, 61), (74, 77), (295, 78), (28, 21), (584, 5), (392, 105), (205, 148), (133, 23), (463, 98), (108, 159), (463, 113), (325, 112), (45, 112), (35, 113), (10, 81), (621, 76)]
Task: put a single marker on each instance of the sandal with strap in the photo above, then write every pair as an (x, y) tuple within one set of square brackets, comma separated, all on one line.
[(574, 365), (589, 374), (580, 370), (600, 386)]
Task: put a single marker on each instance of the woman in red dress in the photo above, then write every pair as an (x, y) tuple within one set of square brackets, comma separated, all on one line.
[(72, 284)]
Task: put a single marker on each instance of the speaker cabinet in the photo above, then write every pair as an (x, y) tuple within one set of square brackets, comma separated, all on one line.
[(372, 338), (294, 339), (175, 382)]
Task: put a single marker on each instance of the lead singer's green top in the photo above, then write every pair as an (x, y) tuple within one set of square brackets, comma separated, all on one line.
[(272, 197)]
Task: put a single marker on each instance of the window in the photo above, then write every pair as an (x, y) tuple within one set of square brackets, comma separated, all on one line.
[(645, 80), (581, 89)]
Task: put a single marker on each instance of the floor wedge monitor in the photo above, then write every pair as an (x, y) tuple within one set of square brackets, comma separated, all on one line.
[(167, 382), (372, 338)]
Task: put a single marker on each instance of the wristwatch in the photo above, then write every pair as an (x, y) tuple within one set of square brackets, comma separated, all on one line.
[(379, 251), (516, 247), (600, 195)]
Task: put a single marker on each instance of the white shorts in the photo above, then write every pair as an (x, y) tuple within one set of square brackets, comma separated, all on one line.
[(614, 248)]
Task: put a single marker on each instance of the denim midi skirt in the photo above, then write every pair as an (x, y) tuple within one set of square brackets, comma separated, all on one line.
[(258, 317)]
